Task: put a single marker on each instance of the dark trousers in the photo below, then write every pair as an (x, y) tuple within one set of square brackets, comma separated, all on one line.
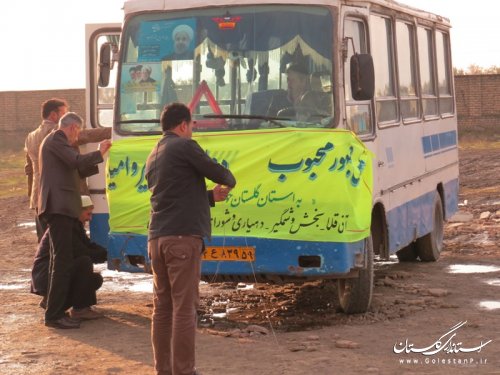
[(41, 226), (61, 263), (84, 284)]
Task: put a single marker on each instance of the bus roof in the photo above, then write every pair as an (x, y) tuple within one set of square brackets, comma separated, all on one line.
[(133, 6)]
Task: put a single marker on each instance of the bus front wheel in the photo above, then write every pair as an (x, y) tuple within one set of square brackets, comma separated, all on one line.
[(355, 295), (429, 246)]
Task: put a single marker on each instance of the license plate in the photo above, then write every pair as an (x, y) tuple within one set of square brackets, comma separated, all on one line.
[(229, 253)]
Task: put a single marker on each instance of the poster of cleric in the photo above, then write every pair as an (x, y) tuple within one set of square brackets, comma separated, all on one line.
[(167, 40)]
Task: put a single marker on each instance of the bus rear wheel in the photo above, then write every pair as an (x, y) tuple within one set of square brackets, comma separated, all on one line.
[(408, 253), (429, 246), (355, 295)]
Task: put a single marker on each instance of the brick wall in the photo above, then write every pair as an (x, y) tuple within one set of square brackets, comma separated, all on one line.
[(478, 101), (21, 110), (477, 96)]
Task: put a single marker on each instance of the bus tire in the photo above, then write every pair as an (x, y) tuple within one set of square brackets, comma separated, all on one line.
[(429, 246), (408, 253), (355, 295)]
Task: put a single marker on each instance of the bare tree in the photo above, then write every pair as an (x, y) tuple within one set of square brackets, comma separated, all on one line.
[(476, 69)]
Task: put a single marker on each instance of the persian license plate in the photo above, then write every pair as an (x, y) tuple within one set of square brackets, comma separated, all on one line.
[(229, 253)]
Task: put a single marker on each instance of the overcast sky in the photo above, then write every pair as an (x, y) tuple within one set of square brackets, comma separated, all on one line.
[(44, 48)]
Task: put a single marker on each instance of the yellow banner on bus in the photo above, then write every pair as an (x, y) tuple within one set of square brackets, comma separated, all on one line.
[(292, 184)]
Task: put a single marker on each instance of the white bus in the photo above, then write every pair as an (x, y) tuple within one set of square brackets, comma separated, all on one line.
[(378, 69)]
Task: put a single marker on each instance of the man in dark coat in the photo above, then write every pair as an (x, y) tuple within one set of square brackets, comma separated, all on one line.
[(84, 281), (176, 170), (59, 202)]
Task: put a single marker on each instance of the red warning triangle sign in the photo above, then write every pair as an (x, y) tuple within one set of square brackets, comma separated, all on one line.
[(204, 90)]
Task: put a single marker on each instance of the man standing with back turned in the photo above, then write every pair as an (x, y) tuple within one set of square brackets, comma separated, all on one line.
[(180, 218), (52, 110), (60, 204)]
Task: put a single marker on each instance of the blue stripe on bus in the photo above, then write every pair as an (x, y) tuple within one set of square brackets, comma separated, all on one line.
[(121, 246), (451, 198), (280, 257), (99, 229), (437, 143), (415, 218)]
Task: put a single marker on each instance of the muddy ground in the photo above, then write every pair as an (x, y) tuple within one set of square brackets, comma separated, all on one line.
[(451, 307)]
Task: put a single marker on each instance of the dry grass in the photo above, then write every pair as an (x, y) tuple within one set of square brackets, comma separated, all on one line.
[(477, 144), (12, 178), (479, 137)]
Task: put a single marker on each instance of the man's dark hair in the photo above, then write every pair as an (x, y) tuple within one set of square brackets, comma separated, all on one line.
[(52, 105), (173, 115)]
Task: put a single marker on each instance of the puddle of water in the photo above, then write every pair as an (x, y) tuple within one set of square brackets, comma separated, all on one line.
[(117, 286), (113, 281), (14, 286), (219, 315), (125, 281), (491, 203), (472, 268), (26, 224), (243, 286), (142, 287), (223, 315), (393, 259), (494, 282), (490, 305)]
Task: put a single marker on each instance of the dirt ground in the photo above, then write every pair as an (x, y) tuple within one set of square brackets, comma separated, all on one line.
[(450, 309)]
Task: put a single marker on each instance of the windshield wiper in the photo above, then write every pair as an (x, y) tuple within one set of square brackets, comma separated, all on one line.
[(272, 120)]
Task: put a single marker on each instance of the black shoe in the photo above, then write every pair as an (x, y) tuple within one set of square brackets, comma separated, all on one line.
[(62, 323), (43, 303)]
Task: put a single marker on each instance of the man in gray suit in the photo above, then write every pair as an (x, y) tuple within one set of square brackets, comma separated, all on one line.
[(59, 202)]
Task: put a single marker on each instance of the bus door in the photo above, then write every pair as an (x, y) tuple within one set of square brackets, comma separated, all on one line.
[(99, 103)]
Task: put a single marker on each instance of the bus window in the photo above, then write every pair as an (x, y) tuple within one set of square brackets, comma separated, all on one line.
[(444, 74), (382, 51), (358, 114), (427, 83), (405, 37), (232, 66)]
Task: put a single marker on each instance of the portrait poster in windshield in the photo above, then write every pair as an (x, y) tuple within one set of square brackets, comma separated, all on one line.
[(167, 40)]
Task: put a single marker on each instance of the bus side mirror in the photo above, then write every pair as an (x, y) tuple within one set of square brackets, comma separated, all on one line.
[(362, 76), (104, 65)]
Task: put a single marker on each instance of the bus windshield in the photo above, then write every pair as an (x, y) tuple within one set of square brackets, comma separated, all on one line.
[(236, 68)]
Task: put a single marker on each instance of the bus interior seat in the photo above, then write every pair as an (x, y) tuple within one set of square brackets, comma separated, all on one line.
[(266, 103)]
